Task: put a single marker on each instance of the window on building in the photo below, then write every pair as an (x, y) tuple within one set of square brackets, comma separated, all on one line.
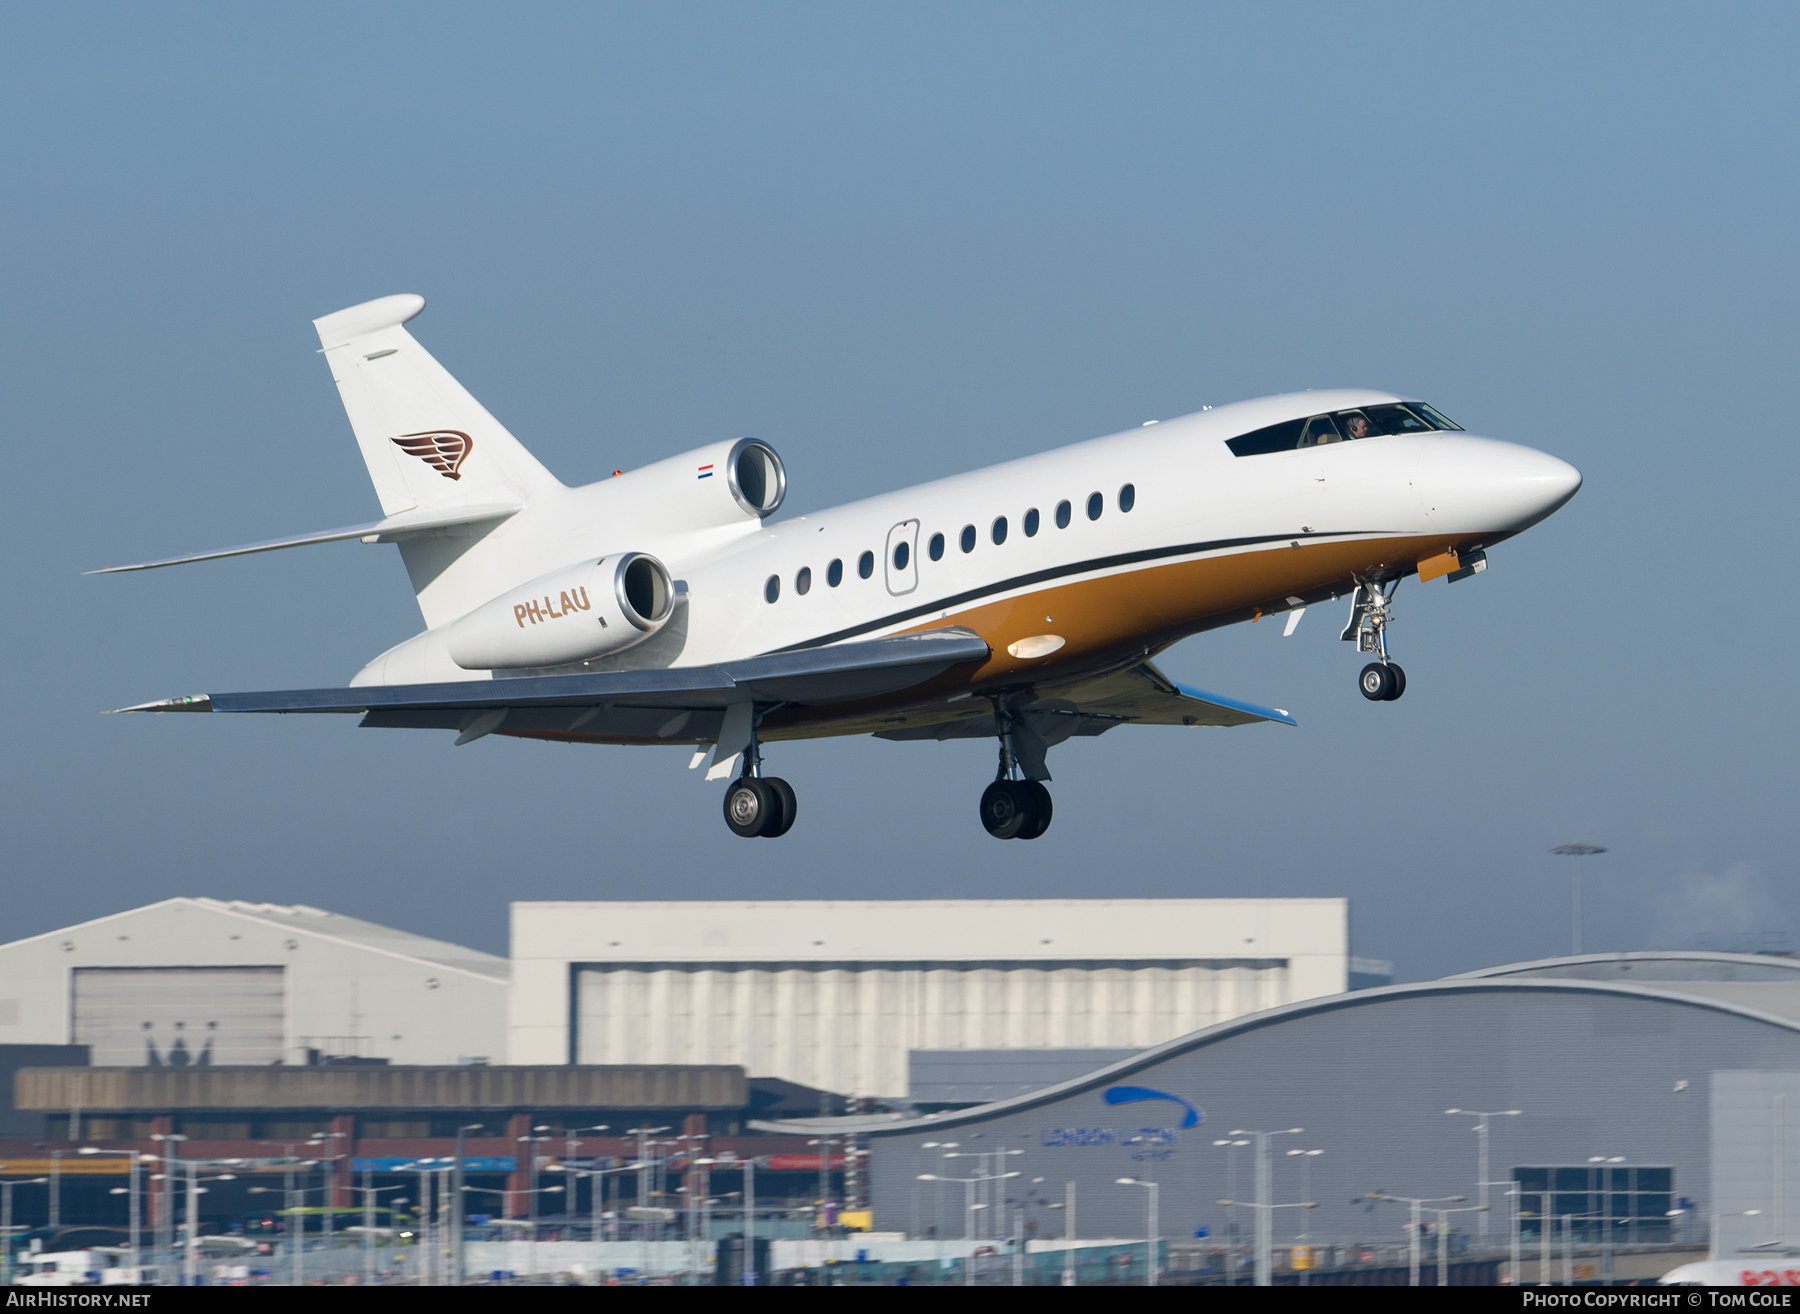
[(1630, 1202)]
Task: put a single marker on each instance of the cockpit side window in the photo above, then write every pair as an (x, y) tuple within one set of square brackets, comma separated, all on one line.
[(1341, 426), (1318, 431)]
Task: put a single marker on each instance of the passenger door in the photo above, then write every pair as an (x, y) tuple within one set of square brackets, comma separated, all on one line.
[(902, 558)]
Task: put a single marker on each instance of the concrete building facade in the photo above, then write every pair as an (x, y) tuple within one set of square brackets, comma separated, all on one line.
[(835, 995), (193, 981)]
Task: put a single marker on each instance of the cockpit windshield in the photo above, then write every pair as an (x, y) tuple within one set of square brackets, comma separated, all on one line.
[(1341, 426)]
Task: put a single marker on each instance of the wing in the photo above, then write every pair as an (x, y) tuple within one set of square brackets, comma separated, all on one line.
[(674, 704), (1140, 695)]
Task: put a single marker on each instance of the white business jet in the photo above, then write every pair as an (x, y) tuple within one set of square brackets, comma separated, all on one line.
[(1021, 603)]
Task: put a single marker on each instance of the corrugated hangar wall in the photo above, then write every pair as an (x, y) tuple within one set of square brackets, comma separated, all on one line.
[(835, 994), (849, 1026)]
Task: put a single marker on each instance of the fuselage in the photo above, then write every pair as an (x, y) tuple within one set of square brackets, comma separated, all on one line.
[(1084, 558)]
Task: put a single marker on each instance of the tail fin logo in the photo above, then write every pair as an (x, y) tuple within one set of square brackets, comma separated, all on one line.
[(444, 450)]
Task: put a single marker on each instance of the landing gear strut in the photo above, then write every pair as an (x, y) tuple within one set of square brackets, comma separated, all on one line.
[(1013, 808), (1371, 608), (757, 804)]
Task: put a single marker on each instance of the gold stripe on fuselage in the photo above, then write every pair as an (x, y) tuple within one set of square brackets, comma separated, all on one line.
[(1106, 621)]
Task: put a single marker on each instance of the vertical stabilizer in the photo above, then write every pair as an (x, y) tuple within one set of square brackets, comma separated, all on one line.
[(430, 446), (426, 441)]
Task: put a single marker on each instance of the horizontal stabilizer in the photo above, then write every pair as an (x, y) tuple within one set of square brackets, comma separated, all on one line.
[(389, 530), (809, 677)]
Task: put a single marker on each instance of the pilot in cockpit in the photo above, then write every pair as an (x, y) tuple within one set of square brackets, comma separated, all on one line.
[(1356, 425)]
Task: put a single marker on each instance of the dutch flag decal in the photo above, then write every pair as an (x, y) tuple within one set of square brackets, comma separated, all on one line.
[(706, 472)]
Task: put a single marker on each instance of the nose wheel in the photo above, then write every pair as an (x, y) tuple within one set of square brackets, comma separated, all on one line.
[(1371, 609)]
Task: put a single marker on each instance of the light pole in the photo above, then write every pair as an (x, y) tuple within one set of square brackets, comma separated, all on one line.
[(1481, 1155), (6, 1214), (1306, 1157), (969, 1208), (131, 1190), (1415, 1202), (369, 1192), (1265, 1220), (1231, 1226), (983, 1172), (1443, 1227), (646, 1169), (1603, 1171), (1576, 851), (165, 1218), (1152, 1226), (457, 1270), (531, 1203), (289, 1163)]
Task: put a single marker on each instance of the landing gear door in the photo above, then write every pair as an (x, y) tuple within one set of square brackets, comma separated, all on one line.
[(902, 558)]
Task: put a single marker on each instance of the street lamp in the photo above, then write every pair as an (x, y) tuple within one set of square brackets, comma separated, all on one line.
[(165, 1219), (969, 1209), (1415, 1202), (131, 1190), (1265, 1220), (1576, 851), (1443, 1226), (1151, 1226), (1481, 1130)]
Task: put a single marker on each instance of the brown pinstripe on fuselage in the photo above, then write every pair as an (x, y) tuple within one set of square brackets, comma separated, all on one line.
[(1107, 621)]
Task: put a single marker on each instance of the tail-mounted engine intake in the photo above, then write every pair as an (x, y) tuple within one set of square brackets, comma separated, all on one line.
[(569, 615)]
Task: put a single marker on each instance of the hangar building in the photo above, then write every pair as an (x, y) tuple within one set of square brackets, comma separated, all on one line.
[(1617, 1059), (836, 995), (203, 981)]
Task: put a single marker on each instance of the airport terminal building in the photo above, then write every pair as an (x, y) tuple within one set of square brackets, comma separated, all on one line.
[(1647, 1088)]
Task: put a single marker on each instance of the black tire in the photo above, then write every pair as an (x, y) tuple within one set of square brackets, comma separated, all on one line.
[(1042, 809), (1005, 808), (1376, 683), (1399, 677), (781, 817), (749, 803)]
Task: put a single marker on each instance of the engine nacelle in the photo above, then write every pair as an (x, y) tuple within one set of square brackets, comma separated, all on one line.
[(581, 611)]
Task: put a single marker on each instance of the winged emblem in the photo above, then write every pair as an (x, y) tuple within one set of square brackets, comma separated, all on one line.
[(444, 450)]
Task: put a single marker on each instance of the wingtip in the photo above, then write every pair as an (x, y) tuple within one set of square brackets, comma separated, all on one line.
[(191, 703)]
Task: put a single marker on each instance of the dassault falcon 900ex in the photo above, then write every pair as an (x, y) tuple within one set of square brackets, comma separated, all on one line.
[(1021, 603)]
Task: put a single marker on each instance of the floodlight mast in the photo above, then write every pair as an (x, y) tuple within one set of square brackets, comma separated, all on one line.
[(1576, 851)]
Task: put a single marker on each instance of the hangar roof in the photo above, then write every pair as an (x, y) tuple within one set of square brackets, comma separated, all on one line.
[(1770, 982), (316, 922), (1680, 993)]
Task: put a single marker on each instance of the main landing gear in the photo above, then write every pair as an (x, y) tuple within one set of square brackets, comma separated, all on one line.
[(1014, 808), (1371, 608), (757, 804)]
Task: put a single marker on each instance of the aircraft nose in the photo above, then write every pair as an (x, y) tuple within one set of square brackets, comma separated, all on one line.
[(1480, 485)]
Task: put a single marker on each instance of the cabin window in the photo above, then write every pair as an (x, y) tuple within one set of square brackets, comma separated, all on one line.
[(803, 581), (1062, 515), (999, 530), (865, 564), (834, 573), (1341, 426), (902, 554), (1031, 523), (1127, 497), (772, 589), (968, 538), (937, 547), (1096, 504)]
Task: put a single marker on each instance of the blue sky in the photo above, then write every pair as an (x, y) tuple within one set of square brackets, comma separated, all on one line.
[(898, 242)]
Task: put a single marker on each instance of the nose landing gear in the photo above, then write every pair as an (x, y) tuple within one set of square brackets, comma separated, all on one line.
[(1371, 609), (1013, 809)]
